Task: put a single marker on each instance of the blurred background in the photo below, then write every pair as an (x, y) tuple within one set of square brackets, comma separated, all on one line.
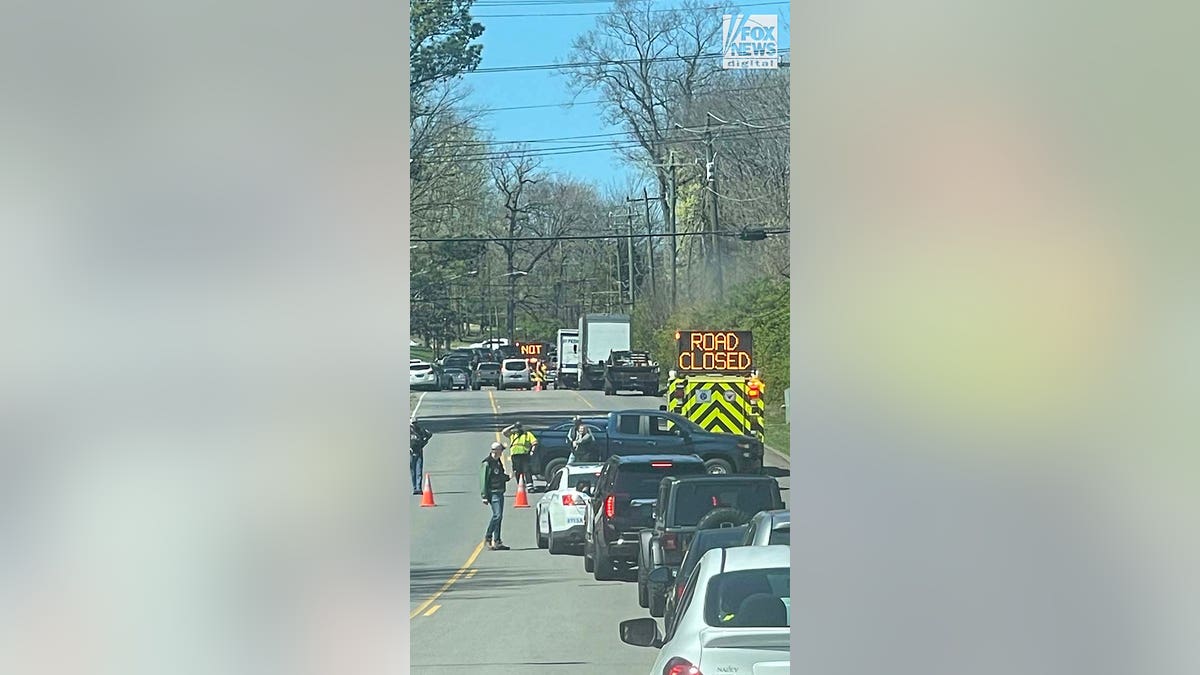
[(993, 338), (204, 264)]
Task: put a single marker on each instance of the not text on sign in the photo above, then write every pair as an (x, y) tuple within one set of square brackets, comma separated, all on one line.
[(712, 351)]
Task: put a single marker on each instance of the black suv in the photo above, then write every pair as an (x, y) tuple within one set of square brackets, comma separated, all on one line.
[(693, 503), (622, 505), (486, 374)]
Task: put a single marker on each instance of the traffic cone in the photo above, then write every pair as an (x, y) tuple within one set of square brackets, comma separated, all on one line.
[(538, 386), (522, 500), (427, 495)]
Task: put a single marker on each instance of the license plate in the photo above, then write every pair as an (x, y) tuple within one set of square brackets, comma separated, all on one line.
[(574, 520)]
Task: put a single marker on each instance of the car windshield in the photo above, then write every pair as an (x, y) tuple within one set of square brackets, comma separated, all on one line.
[(422, 368), (782, 535), (750, 599), (631, 359), (515, 366), (489, 367), (640, 481), (707, 540), (454, 371), (693, 500)]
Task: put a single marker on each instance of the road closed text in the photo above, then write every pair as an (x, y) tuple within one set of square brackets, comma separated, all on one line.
[(714, 351)]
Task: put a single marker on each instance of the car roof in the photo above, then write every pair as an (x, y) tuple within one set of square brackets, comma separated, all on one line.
[(646, 459), (517, 360), (725, 478), (747, 558), (588, 466), (776, 517)]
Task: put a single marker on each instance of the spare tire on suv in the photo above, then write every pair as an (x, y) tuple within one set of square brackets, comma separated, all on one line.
[(723, 517)]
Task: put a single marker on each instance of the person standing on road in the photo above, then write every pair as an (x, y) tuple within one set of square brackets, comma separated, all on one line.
[(583, 443), (521, 444), (418, 438), (492, 484)]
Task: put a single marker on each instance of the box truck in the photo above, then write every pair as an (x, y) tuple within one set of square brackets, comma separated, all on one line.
[(599, 336)]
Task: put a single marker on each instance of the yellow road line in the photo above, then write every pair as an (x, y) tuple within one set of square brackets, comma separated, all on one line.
[(581, 398), (450, 582), (495, 410), (471, 573), (432, 610)]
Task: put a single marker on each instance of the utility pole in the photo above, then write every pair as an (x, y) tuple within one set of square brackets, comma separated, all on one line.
[(649, 242), (674, 246), (629, 248), (711, 170)]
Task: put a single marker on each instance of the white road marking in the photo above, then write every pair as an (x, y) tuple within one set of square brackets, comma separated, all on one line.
[(420, 400)]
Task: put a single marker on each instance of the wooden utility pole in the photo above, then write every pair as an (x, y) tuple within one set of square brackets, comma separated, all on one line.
[(711, 170), (629, 248), (674, 247)]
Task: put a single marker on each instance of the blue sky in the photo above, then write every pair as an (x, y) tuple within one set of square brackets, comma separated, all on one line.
[(526, 40)]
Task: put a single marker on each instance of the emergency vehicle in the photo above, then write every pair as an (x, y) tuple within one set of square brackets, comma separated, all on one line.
[(714, 382)]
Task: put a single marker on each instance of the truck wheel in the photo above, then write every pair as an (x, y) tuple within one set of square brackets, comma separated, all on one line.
[(657, 606), (603, 568), (717, 467), (475, 387), (552, 468), (723, 517), (589, 563), (609, 391)]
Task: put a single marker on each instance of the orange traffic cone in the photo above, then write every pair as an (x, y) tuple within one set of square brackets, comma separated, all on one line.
[(538, 386), (427, 495), (522, 500)]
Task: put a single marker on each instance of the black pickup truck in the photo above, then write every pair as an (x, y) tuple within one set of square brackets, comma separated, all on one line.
[(630, 371), (641, 432), (688, 504)]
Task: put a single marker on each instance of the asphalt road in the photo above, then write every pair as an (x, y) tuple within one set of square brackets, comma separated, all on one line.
[(516, 611)]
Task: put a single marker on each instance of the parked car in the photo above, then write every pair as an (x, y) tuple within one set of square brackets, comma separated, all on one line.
[(633, 432), (560, 513), (422, 375), (553, 448), (622, 504), (686, 505), (734, 616), (703, 542), (486, 374), (514, 373), (768, 528), (455, 377)]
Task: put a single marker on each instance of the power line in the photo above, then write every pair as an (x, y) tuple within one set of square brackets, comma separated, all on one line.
[(580, 148), (590, 64), (601, 100), (584, 237), (543, 4), (563, 139)]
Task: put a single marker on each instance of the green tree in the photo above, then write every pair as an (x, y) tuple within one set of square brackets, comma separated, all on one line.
[(440, 46)]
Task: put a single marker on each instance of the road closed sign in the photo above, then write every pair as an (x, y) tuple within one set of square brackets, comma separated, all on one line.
[(709, 351)]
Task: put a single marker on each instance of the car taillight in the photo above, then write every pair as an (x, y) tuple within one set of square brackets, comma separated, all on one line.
[(610, 506), (680, 666), (568, 501), (661, 465), (669, 542)]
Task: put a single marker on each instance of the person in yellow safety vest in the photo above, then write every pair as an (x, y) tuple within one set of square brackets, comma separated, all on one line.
[(521, 444)]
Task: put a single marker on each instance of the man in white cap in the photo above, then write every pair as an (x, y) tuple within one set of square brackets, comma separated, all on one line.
[(493, 481)]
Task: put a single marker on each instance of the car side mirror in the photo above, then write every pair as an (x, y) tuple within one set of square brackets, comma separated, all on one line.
[(641, 633), (661, 576)]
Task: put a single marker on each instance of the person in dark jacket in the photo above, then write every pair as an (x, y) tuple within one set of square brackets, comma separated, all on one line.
[(583, 443), (492, 483), (418, 438)]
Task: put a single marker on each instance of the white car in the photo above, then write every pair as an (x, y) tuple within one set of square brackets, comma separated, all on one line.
[(734, 616), (562, 510), (515, 373), (421, 375)]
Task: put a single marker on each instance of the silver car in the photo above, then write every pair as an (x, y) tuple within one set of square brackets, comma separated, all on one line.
[(514, 373), (734, 616), (768, 528)]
